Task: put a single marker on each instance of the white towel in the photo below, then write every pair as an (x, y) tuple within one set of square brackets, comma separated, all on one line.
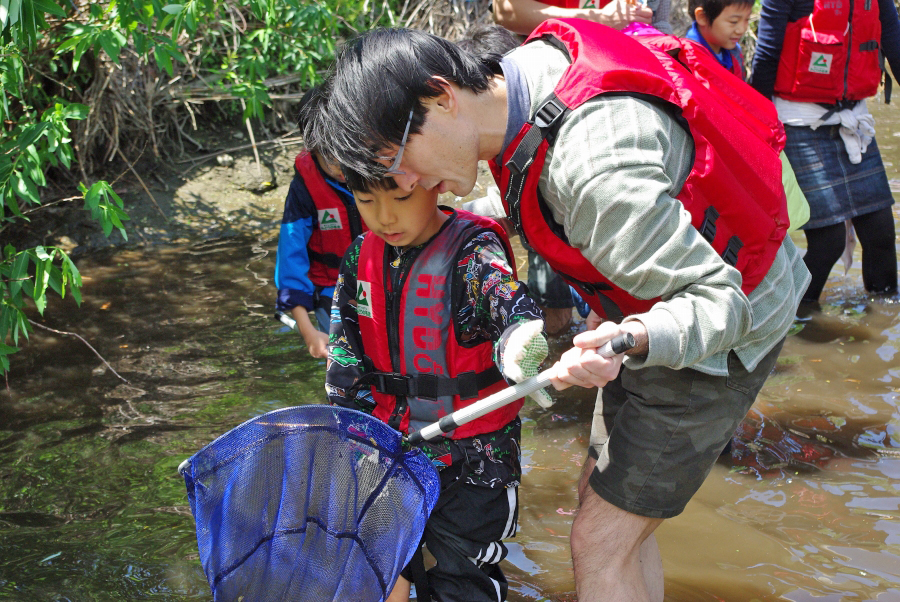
[(857, 124)]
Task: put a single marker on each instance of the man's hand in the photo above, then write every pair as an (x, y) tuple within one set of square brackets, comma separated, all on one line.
[(584, 367), (618, 14)]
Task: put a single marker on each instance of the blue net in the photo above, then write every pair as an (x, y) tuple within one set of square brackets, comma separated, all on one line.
[(308, 503)]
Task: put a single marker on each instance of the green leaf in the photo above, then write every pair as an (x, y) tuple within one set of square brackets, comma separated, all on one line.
[(110, 44), (163, 59), (76, 111), (18, 274), (173, 9), (25, 188), (48, 6), (6, 349), (30, 134)]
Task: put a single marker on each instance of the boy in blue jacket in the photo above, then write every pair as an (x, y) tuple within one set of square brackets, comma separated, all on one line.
[(319, 223), (719, 25)]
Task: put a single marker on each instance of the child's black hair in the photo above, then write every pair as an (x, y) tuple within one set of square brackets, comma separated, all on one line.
[(357, 183), (713, 8), (488, 40)]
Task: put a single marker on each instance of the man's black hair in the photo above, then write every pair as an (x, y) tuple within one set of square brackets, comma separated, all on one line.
[(307, 100), (364, 103), (713, 8)]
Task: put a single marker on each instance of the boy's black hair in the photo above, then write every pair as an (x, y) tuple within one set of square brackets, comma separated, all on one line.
[(364, 103), (357, 183), (713, 8), (488, 40)]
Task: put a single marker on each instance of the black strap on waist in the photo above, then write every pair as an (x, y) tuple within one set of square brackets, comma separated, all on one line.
[(328, 259), (428, 386), (868, 46)]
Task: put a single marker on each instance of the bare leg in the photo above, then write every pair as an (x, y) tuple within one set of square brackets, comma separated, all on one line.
[(400, 593), (614, 552)]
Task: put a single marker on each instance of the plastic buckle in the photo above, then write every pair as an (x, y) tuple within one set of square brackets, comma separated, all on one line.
[(549, 112), (730, 255), (393, 383), (708, 227)]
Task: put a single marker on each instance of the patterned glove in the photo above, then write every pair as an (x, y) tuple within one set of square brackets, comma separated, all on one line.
[(521, 354)]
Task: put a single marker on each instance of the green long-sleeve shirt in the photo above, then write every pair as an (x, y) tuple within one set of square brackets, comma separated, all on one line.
[(610, 181)]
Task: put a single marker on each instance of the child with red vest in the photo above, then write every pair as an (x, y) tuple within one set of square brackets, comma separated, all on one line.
[(423, 297), (719, 26), (319, 223)]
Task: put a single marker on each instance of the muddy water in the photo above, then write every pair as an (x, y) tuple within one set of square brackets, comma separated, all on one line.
[(807, 507)]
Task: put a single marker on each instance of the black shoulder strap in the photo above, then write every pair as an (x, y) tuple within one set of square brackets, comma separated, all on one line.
[(546, 123)]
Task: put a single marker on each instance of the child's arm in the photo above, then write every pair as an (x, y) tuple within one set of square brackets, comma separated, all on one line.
[(295, 290), (345, 348), (315, 339), (499, 307)]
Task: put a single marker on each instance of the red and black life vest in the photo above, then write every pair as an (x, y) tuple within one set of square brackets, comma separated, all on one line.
[(418, 367), (737, 63), (576, 3), (733, 192), (339, 223), (832, 54)]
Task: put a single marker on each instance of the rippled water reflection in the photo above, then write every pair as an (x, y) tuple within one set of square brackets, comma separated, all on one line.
[(91, 508)]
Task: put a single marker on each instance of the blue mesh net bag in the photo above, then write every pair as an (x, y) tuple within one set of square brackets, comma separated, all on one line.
[(308, 503)]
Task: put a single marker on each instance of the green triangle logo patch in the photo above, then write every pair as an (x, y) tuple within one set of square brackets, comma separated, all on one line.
[(820, 62), (329, 219), (363, 299)]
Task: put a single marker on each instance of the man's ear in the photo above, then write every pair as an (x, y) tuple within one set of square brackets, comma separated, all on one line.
[(700, 17), (448, 99)]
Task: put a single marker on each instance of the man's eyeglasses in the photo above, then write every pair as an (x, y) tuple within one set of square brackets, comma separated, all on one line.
[(394, 169)]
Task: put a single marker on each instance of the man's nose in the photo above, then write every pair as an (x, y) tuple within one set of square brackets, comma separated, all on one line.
[(407, 181)]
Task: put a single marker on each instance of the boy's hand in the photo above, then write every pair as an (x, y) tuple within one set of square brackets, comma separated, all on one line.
[(317, 342), (524, 351)]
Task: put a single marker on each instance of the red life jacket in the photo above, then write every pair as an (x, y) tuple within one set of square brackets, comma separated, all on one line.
[(420, 369), (339, 223), (737, 63), (576, 3), (832, 54), (733, 192)]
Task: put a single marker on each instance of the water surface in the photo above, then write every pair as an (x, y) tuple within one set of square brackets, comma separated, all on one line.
[(91, 508)]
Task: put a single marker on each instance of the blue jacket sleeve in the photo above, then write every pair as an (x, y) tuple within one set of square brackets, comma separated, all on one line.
[(890, 34), (292, 259)]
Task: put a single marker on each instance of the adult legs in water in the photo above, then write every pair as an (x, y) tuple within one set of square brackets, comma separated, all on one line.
[(875, 232), (614, 552)]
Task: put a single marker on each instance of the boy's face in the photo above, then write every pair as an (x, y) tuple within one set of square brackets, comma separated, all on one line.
[(727, 29), (401, 218)]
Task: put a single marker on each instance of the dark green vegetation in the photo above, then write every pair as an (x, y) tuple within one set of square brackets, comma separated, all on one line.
[(88, 89)]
